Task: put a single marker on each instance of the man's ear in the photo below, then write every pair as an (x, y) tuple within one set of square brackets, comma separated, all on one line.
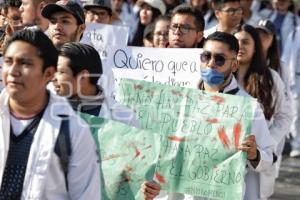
[(81, 28), (49, 73), (80, 31), (234, 65), (199, 36), (84, 75)]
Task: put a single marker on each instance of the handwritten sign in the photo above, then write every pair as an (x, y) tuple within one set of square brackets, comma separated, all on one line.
[(176, 67), (201, 135), (100, 36), (128, 157)]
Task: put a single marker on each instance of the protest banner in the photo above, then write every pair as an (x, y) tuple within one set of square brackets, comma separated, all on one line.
[(128, 157), (201, 135), (100, 36), (170, 66)]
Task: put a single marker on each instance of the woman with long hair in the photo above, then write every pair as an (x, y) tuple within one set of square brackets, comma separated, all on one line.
[(264, 84), (149, 11)]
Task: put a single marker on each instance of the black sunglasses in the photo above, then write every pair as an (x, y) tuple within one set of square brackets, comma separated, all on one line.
[(219, 59)]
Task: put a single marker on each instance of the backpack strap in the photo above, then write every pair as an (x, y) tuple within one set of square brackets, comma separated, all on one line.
[(63, 146)]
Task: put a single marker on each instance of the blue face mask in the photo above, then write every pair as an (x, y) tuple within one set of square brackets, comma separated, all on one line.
[(212, 77)]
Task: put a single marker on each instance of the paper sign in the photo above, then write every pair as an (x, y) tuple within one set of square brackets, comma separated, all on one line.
[(128, 157), (176, 67), (100, 36), (201, 135)]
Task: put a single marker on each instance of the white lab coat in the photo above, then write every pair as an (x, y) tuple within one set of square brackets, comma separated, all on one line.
[(253, 20), (279, 126), (265, 145), (287, 24), (291, 56), (44, 178), (208, 21), (211, 30)]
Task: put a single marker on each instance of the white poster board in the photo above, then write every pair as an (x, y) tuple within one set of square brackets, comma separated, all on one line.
[(171, 66), (100, 36)]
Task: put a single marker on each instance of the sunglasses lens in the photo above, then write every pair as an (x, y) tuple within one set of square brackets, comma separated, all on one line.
[(205, 57), (219, 60)]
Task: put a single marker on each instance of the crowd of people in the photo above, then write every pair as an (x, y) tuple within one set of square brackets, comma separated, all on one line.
[(249, 48)]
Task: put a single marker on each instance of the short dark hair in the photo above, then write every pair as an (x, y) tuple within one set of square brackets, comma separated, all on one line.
[(11, 3), (226, 38), (46, 50), (83, 57), (187, 9), (219, 3)]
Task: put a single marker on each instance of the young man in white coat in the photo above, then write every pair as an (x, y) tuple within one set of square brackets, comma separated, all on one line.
[(218, 62), (67, 24), (229, 14), (78, 70), (31, 121)]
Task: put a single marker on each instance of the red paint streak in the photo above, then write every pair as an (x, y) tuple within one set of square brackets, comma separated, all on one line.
[(137, 152), (113, 156), (175, 138), (223, 137), (160, 178), (138, 87), (237, 134), (212, 121), (218, 99)]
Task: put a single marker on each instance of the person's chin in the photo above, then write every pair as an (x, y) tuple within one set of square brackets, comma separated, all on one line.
[(177, 44)]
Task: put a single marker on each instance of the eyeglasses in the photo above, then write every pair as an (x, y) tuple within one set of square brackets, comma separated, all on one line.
[(160, 34), (183, 28), (232, 11), (219, 59)]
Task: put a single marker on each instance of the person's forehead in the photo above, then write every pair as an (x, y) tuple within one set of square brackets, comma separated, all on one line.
[(183, 19), (21, 49), (27, 1), (243, 35), (63, 62), (234, 4), (217, 47), (281, 1)]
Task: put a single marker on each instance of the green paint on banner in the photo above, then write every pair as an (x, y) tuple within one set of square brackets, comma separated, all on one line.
[(201, 132), (128, 157)]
